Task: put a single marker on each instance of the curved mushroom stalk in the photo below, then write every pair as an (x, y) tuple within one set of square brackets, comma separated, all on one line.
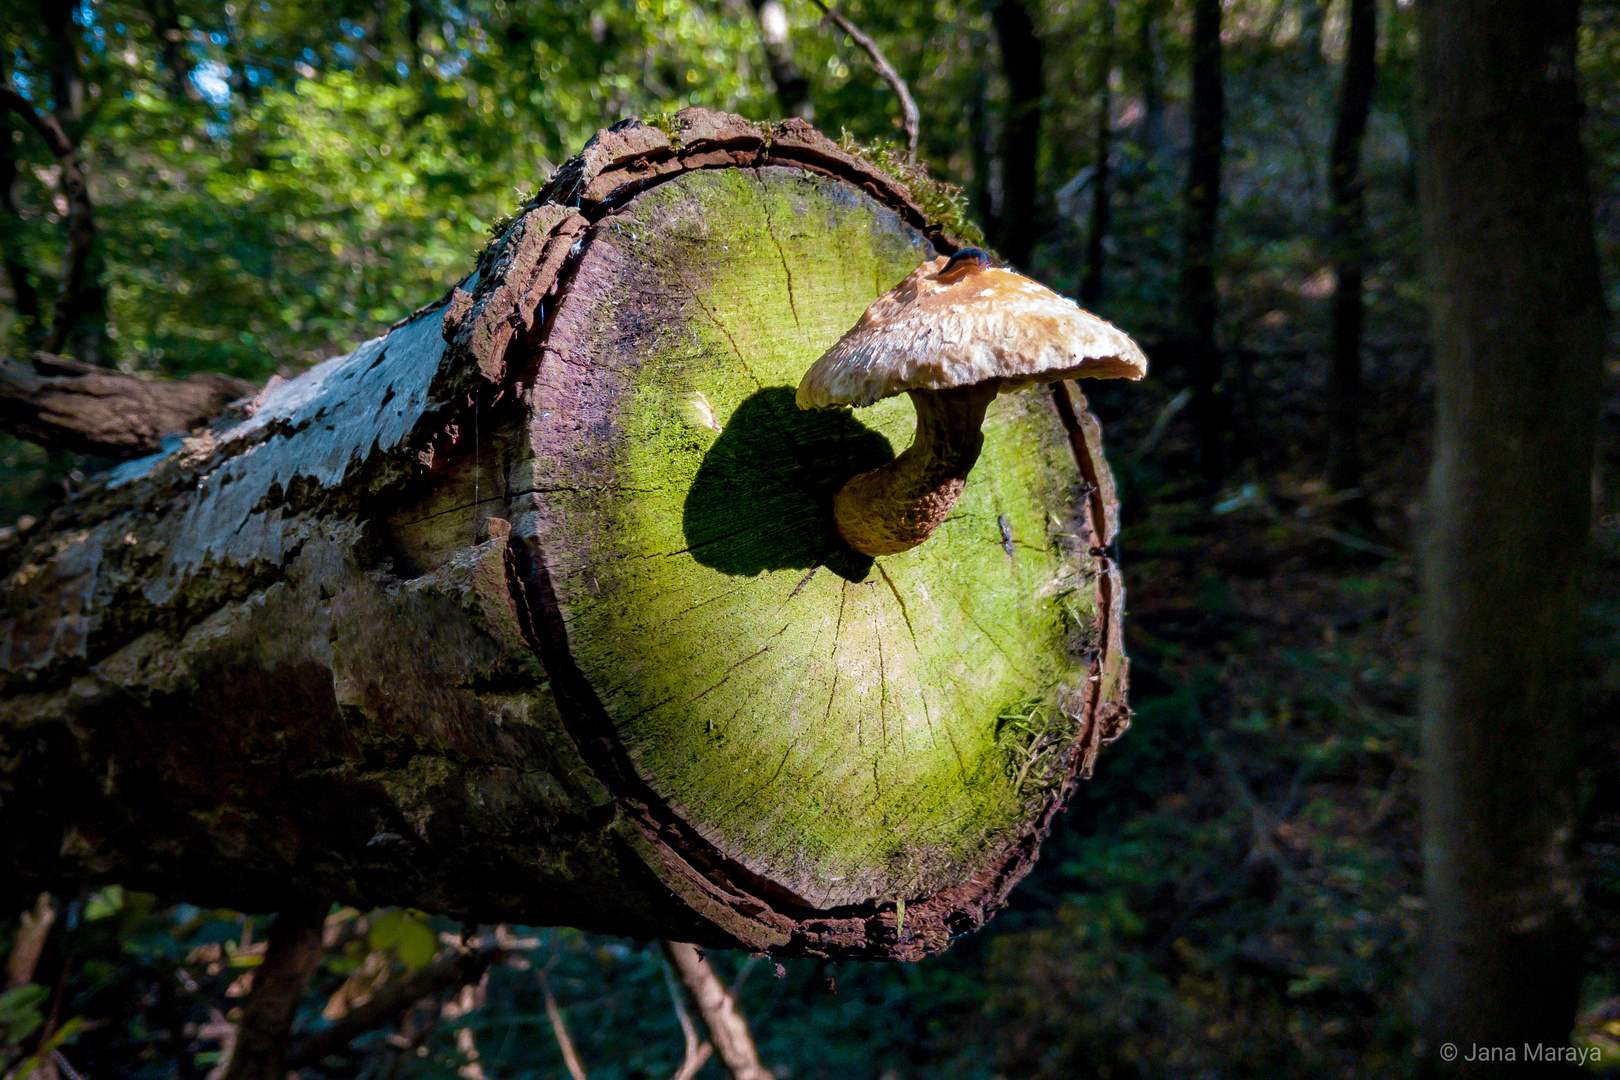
[(954, 334), (898, 506)]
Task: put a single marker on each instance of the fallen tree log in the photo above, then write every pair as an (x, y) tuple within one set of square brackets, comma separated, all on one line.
[(532, 609)]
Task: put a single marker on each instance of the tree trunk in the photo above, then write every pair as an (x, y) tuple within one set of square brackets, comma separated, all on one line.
[(1021, 130), (1102, 180), (1347, 242), (792, 85), (1199, 302), (533, 610), (1148, 68), (1519, 326)]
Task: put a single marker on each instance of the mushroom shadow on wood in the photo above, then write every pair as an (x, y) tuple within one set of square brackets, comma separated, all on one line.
[(762, 498)]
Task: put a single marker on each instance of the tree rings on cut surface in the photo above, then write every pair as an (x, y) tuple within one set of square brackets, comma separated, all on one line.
[(828, 732)]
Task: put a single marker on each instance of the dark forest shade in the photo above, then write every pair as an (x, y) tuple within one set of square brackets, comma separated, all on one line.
[(1199, 302), (1347, 242), (1021, 134), (1518, 323)]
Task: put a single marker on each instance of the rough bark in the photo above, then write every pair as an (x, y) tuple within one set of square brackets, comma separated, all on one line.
[(1347, 242), (1199, 302), (532, 609), (1519, 327), (1021, 64)]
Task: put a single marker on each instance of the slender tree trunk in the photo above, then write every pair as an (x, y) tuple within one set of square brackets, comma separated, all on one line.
[(280, 982), (1021, 132), (1347, 242), (1199, 301), (1519, 327), (984, 155), (1312, 20), (1149, 71), (792, 85), (171, 45), (25, 297), (533, 608), (1102, 179), (79, 319)]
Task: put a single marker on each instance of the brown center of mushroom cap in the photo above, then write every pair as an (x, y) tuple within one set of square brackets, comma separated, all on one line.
[(956, 322)]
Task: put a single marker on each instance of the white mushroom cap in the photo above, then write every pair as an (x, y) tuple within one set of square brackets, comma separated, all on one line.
[(975, 324)]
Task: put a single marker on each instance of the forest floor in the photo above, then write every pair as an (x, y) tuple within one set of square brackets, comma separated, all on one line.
[(1237, 893)]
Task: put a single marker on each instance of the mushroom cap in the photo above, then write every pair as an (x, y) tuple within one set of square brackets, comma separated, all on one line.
[(936, 330)]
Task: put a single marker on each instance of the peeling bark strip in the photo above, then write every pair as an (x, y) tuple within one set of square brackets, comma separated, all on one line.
[(532, 609)]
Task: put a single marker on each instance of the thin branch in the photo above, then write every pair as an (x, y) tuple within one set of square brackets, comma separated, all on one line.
[(453, 969), (560, 1030), (81, 222), (908, 106), (728, 1029), (279, 985)]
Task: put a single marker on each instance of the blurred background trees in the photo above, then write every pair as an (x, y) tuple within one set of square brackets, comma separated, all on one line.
[(267, 182)]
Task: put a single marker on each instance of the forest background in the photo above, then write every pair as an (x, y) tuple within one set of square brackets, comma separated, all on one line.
[(1237, 892)]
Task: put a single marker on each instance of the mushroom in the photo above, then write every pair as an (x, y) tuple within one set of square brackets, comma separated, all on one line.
[(954, 334)]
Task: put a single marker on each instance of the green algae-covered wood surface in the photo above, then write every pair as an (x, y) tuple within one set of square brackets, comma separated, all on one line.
[(532, 609)]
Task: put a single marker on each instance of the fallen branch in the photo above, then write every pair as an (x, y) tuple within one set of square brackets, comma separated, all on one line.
[(908, 106), (67, 404), (81, 222)]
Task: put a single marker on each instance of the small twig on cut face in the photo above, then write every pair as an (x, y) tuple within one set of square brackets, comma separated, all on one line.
[(81, 222), (559, 1029), (908, 106)]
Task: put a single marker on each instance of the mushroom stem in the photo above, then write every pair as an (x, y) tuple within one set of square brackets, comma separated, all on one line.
[(898, 506)]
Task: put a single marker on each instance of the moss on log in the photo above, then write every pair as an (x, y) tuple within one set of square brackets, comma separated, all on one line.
[(533, 609)]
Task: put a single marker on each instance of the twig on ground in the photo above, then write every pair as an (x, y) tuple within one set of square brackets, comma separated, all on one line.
[(697, 1053), (559, 1029), (453, 969), (908, 106), (32, 930), (728, 1029)]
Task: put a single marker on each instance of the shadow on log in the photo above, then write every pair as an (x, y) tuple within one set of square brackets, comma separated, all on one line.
[(530, 609)]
